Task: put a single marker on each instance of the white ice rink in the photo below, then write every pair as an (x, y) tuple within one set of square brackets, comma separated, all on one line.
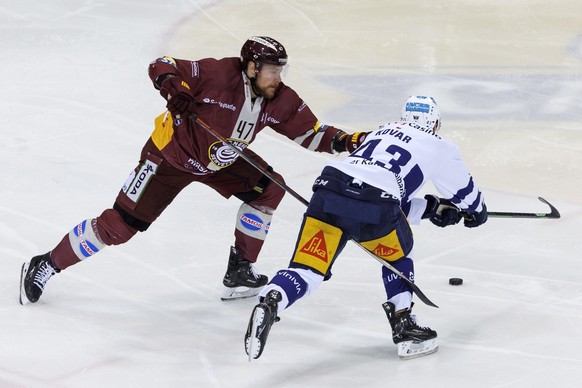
[(77, 106)]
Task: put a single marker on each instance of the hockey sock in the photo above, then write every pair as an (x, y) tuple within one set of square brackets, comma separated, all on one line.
[(84, 241), (252, 226), (394, 285), (295, 283)]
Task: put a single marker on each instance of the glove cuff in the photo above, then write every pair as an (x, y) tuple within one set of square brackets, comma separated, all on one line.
[(432, 205), (343, 141)]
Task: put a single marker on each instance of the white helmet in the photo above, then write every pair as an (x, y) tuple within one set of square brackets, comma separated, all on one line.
[(422, 111)]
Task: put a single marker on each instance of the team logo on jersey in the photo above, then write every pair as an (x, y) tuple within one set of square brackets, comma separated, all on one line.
[(316, 247), (221, 155)]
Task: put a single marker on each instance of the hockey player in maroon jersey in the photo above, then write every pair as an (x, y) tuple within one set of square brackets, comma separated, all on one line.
[(237, 97)]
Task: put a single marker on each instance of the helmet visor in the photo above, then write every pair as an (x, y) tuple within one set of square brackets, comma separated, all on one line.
[(271, 72)]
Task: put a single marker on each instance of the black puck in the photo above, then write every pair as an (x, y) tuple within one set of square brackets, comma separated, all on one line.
[(455, 281)]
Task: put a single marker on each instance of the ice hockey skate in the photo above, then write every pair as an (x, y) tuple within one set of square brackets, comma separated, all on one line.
[(413, 341), (263, 316), (241, 279), (33, 277)]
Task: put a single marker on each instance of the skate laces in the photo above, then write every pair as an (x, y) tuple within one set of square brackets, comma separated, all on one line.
[(43, 274), (412, 323), (252, 271)]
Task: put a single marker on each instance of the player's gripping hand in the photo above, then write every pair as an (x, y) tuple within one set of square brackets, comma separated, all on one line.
[(348, 142), (473, 220), (441, 212), (177, 92)]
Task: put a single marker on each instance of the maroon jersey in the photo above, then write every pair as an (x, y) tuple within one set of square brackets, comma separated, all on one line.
[(222, 93)]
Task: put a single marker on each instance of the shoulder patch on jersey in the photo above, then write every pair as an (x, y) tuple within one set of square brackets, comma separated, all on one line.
[(167, 60)]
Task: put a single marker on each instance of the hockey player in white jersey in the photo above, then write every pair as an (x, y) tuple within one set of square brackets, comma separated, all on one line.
[(370, 197)]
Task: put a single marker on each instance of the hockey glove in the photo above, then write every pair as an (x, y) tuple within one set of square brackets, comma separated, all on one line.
[(177, 93), (473, 220), (348, 142), (441, 212)]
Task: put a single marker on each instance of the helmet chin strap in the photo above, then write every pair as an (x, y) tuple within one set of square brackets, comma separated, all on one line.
[(253, 81), (254, 88)]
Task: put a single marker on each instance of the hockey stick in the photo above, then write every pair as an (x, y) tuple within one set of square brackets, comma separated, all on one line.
[(282, 185), (554, 213)]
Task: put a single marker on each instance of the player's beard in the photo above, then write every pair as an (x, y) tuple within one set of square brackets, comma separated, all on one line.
[(269, 92)]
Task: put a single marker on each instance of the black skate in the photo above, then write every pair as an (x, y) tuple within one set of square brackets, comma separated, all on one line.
[(241, 279), (34, 276), (412, 340), (263, 316)]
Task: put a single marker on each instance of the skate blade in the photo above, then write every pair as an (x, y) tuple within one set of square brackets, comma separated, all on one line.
[(408, 350), (22, 297), (253, 344), (236, 293)]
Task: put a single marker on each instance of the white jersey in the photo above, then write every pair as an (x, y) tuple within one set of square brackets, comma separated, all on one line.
[(399, 157)]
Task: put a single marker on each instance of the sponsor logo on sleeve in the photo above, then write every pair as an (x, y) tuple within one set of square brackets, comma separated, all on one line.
[(195, 69), (221, 104)]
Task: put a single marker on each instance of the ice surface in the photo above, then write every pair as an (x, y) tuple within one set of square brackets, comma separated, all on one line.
[(77, 106)]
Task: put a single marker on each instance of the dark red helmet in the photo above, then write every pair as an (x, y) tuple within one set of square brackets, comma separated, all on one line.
[(263, 49)]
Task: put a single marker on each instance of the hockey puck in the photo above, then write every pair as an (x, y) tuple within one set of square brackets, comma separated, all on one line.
[(455, 281)]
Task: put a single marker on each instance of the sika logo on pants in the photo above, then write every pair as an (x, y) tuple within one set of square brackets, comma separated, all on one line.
[(387, 247), (317, 245)]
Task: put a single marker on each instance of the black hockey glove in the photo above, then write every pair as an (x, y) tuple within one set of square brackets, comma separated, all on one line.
[(177, 93), (441, 212), (473, 220), (348, 142)]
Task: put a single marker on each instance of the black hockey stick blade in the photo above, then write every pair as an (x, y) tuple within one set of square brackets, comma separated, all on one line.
[(554, 213)]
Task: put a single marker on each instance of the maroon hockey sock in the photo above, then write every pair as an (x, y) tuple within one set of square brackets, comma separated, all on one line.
[(248, 247), (63, 256)]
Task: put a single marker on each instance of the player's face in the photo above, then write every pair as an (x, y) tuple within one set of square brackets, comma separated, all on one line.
[(268, 80)]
